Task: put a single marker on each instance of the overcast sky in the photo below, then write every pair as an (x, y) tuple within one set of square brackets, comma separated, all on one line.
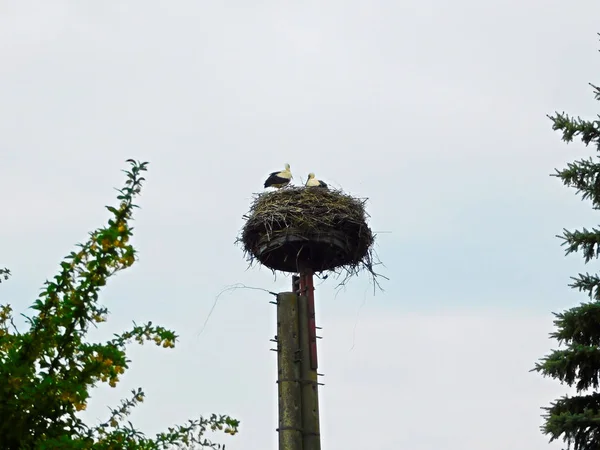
[(434, 110)]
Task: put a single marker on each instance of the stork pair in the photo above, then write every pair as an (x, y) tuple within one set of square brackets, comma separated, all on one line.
[(283, 178)]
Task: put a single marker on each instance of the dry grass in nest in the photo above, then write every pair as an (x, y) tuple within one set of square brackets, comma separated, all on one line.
[(304, 222)]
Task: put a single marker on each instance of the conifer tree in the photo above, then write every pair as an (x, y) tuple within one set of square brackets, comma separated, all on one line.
[(576, 419)]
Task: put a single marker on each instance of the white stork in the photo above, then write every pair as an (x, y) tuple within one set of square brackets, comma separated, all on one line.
[(279, 179), (313, 182)]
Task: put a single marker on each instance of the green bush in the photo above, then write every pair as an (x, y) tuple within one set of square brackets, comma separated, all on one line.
[(48, 371)]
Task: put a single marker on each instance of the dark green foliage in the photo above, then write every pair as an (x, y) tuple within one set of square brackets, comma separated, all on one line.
[(4, 274), (576, 420), (48, 371)]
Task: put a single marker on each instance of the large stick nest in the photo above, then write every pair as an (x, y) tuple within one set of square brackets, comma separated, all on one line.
[(313, 228)]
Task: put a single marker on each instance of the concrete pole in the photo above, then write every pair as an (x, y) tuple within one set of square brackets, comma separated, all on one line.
[(288, 365)]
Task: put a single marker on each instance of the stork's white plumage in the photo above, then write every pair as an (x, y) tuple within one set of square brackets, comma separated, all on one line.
[(279, 179), (313, 182)]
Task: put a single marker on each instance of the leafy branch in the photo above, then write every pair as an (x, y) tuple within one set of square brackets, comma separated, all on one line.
[(48, 371)]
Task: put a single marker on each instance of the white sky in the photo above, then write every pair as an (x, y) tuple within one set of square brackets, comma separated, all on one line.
[(434, 110)]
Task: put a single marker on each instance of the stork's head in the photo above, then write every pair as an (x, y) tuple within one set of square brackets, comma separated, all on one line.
[(287, 167), (311, 176)]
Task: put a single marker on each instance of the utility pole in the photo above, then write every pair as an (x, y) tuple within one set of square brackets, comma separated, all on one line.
[(308, 366), (301, 231), (288, 372), (297, 366)]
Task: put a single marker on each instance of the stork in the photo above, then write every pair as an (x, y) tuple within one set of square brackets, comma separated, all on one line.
[(279, 179), (313, 182)]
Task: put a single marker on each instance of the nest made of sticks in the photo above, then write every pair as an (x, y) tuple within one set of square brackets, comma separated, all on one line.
[(315, 228)]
